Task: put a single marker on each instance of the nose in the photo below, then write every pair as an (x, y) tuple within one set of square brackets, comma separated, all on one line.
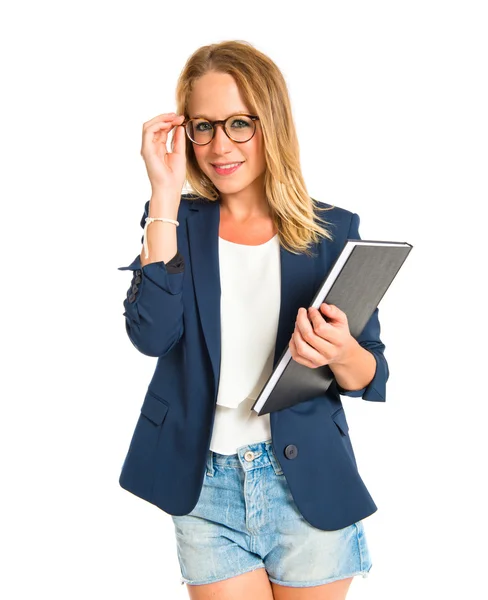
[(221, 142)]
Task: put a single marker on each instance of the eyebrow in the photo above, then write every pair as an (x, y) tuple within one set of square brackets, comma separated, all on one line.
[(238, 112)]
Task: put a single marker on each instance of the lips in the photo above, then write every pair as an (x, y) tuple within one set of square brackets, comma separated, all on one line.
[(227, 170), (235, 162)]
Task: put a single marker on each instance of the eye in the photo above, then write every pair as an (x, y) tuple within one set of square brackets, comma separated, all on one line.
[(203, 126), (239, 124)]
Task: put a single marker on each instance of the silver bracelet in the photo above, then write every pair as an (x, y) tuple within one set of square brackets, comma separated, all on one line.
[(150, 220)]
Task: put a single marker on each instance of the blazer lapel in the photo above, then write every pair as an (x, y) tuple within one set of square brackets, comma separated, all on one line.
[(300, 276)]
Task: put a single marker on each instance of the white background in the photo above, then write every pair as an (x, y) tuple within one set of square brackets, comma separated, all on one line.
[(390, 103)]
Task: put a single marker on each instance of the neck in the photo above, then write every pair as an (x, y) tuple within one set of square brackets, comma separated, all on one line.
[(242, 208)]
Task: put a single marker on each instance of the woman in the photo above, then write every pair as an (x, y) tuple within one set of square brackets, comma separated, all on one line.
[(264, 506)]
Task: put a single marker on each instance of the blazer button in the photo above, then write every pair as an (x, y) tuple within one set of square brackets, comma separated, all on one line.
[(291, 451), (131, 298)]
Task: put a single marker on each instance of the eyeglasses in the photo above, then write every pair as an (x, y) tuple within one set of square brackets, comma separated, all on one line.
[(239, 128)]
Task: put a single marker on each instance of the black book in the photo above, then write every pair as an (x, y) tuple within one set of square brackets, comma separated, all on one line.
[(356, 283)]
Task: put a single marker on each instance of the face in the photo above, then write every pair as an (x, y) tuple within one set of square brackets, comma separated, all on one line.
[(216, 96)]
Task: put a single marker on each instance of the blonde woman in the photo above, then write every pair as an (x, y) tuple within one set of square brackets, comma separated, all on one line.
[(264, 506)]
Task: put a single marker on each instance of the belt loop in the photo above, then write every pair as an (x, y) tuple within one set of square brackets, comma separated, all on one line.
[(272, 457), (210, 466)]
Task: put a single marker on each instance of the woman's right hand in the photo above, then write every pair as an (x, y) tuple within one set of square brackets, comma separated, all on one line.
[(166, 170)]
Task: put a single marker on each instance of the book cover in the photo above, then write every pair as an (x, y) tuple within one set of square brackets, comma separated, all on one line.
[(356, 283)]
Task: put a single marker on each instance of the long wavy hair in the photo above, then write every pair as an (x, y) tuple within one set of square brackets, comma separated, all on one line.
[(264, 90)]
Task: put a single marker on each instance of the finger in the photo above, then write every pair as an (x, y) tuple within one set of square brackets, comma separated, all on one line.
[(298, 356), (158, 133), (303, 324), (317, 332), (166, 124), (317, 352), (333, 313), (320, 326), (162, 117), (327, 331), (178, 143)]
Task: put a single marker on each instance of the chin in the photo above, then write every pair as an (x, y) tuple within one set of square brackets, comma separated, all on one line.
[(230, 187)]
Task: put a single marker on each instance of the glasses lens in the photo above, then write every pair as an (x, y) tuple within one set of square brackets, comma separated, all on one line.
[(239, 128), (199, 131)]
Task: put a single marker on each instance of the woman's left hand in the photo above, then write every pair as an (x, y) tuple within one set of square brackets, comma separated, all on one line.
[(317, 342)]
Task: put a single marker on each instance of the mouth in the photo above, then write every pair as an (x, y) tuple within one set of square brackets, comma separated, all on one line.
[(227, 169)]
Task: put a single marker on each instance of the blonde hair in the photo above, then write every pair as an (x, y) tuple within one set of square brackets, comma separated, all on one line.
[(264, 90)]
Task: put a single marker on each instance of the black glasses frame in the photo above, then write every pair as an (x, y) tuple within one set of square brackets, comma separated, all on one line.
[(221, 122)]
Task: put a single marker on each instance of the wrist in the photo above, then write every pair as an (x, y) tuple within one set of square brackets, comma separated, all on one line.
[(357, 370), (349, 355), (159, 195), (163, 206)]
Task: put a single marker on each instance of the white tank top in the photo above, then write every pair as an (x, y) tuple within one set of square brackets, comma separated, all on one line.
[(250, 282)]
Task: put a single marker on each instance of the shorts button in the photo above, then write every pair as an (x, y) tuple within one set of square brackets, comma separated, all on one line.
[(249, 456)]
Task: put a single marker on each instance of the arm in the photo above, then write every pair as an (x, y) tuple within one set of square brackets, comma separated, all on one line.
[(154, 303), (356, 370)]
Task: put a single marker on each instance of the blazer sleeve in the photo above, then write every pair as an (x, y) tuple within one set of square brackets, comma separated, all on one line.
[(154, 303), (370, 340)]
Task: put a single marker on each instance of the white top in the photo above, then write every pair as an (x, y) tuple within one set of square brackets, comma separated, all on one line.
[(250, 282)]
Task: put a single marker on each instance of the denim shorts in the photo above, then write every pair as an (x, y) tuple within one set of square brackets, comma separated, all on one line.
[(246, 519)]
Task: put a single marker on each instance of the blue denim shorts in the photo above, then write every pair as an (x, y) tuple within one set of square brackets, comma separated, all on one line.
[(246, 519)]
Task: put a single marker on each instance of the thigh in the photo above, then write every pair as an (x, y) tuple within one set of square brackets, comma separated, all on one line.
[(336, 590), (254, 585)]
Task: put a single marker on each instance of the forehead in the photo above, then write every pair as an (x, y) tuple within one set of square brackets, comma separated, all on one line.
[(215, 96)]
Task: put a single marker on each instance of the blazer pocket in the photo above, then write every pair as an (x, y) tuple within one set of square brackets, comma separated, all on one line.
[(154, 408), (339, 418)]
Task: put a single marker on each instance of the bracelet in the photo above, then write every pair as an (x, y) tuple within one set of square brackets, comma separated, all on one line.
[(150, 220)]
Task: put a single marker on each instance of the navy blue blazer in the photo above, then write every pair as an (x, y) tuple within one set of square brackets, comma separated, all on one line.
[(175, 316)]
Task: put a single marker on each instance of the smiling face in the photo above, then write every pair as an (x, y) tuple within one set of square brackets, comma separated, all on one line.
[(216, 96)]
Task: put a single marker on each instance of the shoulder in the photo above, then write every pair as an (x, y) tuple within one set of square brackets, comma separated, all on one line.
[(338, 220)]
